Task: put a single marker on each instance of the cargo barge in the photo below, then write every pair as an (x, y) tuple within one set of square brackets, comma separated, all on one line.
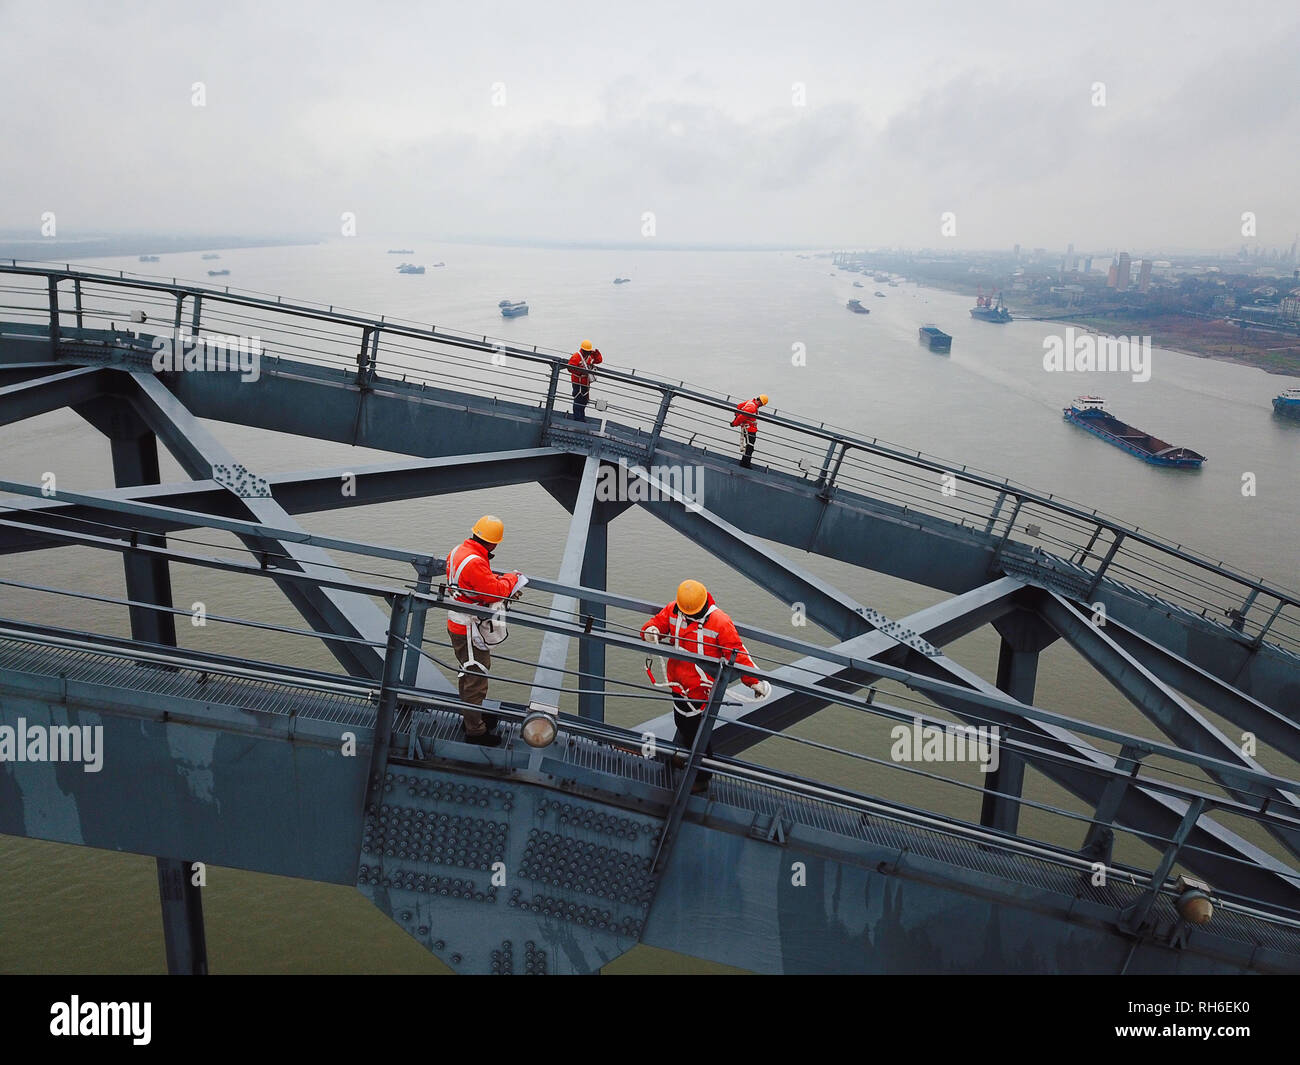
[(935, 339), (856, 307), (1287, 403), (1087, 413)]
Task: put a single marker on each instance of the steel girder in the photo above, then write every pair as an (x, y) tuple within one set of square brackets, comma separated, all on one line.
[(1160, 704), (40, 395), (548, 678), (327, 610), (301, 492)]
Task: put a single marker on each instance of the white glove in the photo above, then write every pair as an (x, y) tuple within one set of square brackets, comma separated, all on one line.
[(761, 690), (651, 634)]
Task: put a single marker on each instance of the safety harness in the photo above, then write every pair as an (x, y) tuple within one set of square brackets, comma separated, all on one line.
[(483, 633)]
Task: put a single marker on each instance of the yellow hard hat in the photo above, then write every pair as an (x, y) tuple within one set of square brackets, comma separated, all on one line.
[(762, 399), (490, 528), (586, 345), (691, 597)]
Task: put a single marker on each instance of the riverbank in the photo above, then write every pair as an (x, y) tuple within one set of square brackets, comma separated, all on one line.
[(113, 245), (1202, 338)]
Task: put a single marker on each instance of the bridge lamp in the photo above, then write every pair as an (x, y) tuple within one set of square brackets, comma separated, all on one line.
[(540, 727), (1194, 903)]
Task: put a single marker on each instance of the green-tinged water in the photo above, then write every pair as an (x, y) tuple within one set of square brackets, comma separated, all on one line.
[(728, 321)]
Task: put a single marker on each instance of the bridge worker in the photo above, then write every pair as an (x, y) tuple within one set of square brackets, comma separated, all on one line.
[(580, 364), (747, 422), (695, 623), (469, 572)]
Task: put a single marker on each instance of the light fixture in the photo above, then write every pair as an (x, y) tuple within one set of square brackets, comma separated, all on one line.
[(1194, 903), (540, 726)]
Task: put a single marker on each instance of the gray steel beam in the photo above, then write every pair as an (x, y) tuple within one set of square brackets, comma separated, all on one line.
[(1182, 723), (148, 580), (548, 678), (823, 603), (184, 939), (1218, 854), (326, 610), (1218, 695), (301, 492), (591, 653), (53, 392), (1023, 636), (1214, 852)]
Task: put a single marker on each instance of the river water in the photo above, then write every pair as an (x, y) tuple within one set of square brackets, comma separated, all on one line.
[(723, 320)]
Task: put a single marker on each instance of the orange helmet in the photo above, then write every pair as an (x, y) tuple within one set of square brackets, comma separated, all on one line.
[(586, 345), (691, 597), (762, 399), (490, 528)]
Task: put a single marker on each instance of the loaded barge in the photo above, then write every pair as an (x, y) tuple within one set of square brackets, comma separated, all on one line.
[(935, 339), (1087, 413)]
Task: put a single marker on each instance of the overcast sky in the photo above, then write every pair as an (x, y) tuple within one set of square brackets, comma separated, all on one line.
[(610, 110)]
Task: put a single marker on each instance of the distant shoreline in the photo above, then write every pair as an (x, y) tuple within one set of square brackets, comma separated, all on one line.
[(107, 247), (1196, 337)]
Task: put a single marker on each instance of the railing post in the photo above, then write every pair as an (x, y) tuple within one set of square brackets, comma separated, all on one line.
[(367, 356), (76, 295), (660, 418), (1100, 839), (993, 514), (552, 388), (683, 793), (1092, 542), (827, 477), (394, 655), (1259, 636), (195, 310), (54, 316), (411, 663), (1096, 577), (1011, 526), (1135, 915), (1239, 615)]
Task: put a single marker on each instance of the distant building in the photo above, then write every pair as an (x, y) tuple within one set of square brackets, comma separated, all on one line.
[(1122, 272), (1144, 278), (1291, 308), (1112, 275)]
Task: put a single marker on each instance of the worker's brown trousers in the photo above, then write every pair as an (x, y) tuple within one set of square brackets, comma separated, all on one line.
[(472, 684)]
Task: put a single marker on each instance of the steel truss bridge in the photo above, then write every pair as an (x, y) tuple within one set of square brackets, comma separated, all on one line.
[(561, 858)]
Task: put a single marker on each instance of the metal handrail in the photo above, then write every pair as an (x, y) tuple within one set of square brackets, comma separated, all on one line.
[(664, 396)]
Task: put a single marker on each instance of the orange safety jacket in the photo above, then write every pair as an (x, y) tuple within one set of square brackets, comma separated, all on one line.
[(580, 361), (745, 415), (714, 635), (470, 571)]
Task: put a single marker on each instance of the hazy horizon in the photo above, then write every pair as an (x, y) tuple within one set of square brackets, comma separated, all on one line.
[(833, 125)]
